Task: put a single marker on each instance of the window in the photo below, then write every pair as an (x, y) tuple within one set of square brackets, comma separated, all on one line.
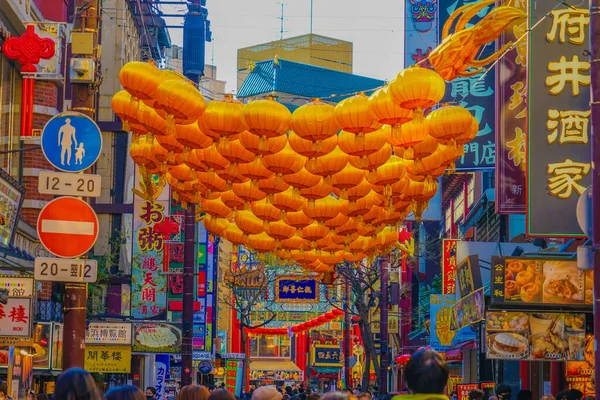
[(270, 346), (459, 206), (471, 191), (448, 218)]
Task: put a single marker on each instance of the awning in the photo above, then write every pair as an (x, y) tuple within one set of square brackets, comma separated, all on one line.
[(455, 353), (274, 365)]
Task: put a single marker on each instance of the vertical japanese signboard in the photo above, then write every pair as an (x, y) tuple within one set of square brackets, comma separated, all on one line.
[(421, 31), (449, 266), (511, 129), (559, 156), (476, 94), (149, 283)]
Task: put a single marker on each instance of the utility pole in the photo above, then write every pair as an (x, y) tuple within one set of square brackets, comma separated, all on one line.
[(383, 325), (595, 107), (83, 101), (194, 38)]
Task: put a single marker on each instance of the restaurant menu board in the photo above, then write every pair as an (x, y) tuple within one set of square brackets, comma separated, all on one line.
[(579, 374), (157, 338), (540, 281), (535, 336)]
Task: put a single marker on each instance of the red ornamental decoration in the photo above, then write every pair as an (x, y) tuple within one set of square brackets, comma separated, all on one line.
[(323, 319), (28, 49), (167, 227)]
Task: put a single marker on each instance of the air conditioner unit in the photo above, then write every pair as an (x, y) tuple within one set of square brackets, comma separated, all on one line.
[(83, 70)]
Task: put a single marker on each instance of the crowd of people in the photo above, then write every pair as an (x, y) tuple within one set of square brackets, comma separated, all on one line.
[(426, 375)]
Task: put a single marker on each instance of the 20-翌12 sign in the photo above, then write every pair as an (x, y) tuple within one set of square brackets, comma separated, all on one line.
[(68, 227)]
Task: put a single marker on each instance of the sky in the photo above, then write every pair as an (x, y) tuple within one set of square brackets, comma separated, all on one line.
[(375, 27)]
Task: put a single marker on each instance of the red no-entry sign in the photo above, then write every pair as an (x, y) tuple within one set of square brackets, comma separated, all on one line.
[(68, 227)]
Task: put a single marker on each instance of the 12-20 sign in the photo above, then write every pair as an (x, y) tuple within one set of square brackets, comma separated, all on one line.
[(65, 184), (65, 270)]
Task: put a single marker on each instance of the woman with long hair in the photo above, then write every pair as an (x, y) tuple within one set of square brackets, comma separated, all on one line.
[(193, 392), (125, 392), (76, 384)]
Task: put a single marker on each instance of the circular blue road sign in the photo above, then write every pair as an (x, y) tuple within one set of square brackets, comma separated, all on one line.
[(71, 141)]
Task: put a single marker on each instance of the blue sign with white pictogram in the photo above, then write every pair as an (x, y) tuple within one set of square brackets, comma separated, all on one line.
[(71, 142)]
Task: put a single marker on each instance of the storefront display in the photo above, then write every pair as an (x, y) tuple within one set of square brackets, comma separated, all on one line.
[(540, 281), (156, 338), (535, 336), (468, 310), (579, 374)]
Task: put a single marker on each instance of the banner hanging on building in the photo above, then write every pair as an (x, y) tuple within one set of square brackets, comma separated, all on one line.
[(449, 266), (149, 283), (511, 131), (559, 155), (476, 94), (440, 320)]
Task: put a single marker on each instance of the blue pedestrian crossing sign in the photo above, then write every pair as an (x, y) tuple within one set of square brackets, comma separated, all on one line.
[(71, 142)]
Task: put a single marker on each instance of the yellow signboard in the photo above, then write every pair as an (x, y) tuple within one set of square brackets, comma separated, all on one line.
[(115, 359)]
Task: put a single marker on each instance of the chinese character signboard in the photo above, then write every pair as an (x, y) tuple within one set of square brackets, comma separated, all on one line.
[(156, 338), (326, 355), (521, 281), (511, 131), (108, 333), (579, 374), (233, 379), (421, 31), (149, 288), (476, 94), (15, 317), (440, 317), (449, 266), (559, 155), (463, 390), (468, 310), (292, 290), (468, 276), (17, 287), (113, 359), (535, 336)]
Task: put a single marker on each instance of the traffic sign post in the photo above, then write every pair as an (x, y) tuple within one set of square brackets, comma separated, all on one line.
[(68, 227), (66, 184), (65, 270), (71, 142)]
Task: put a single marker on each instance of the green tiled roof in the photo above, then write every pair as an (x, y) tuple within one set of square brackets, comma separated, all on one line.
[(303, 80)]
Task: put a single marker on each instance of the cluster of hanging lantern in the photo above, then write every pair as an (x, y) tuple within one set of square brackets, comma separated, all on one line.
[(318, 186), (298, 328)]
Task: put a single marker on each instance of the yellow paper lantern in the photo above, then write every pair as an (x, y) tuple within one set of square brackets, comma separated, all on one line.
[(329, 164), (315, 121), (386, 111), (215, 208), (266, 119), (297, 219), (180, 102), (417, 88), (262, 242), (287, 202), (224, 117), (372, 161), (215, 226), (255, 170), (285, 162), (324, 209), (337, 221), (191, 136), (141, 152), (308, 149), (232, 200), (249, 223), (448, 123), (352, 145), (469, 134), (317, 191), (140, 79), (353, 115), (279, 230), (248, 192), (347, 178), (266, 212), (235, 235), (253, 144), (413, 133), (301, 180)]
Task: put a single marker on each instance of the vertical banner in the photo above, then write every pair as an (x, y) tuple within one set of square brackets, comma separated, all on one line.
[(449, 266), (476, 94), (162, 366), (149, 283), (421, 31), (559, 156), (511, 129)]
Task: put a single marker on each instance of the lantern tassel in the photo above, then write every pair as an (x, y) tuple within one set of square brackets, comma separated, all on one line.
[(224, 142), (372, 175), (317, 146), (396, 132), (409, 153), (170, 125), (359, 138), (344, 194), (263, 144), (311, 163), (266, 225), (363, 162), (352, 205), (418, 115), (296, 193), (328, 180)]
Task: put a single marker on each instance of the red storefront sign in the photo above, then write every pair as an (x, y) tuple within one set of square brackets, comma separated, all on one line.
[(449, 266), (463, 390)]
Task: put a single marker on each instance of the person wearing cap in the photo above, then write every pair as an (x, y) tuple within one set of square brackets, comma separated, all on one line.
[(426, 376)]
